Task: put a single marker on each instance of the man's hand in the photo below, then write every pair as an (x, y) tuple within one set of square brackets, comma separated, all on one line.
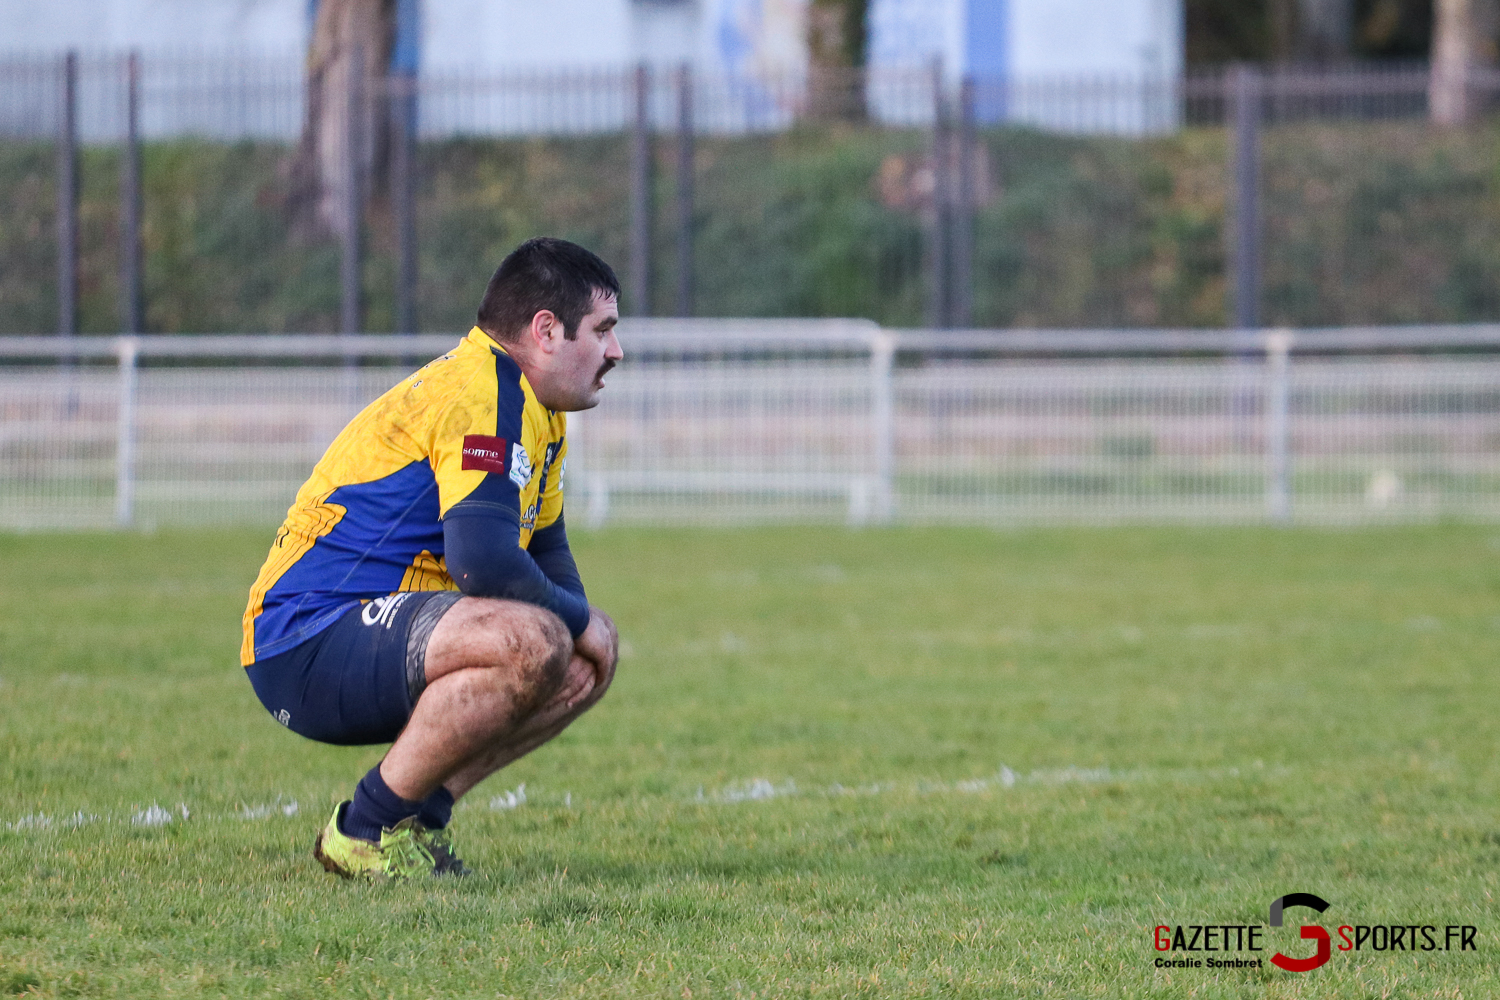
[(600, 645)]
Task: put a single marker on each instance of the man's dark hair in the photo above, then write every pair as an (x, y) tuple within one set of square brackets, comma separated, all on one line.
[(544, 273)]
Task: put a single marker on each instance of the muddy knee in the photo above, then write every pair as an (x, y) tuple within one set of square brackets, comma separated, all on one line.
[(536, 647), (522, 650)]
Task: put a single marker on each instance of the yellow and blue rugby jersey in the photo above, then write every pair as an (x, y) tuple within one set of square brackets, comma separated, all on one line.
[(466, 432)]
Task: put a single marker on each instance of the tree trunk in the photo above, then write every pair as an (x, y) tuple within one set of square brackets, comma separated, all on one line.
[(1325, 30), (346, 62), (1310, 31), (836, 53), (1463, 41), (1282, 22)]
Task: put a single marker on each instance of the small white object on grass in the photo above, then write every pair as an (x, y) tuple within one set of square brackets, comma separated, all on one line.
[(154, 815), (509, 800)]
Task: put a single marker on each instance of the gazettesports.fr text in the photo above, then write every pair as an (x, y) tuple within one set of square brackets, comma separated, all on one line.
[(1356, 937)]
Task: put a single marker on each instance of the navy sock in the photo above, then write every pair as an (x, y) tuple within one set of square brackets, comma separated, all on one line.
[(375, 807), (437, 810)]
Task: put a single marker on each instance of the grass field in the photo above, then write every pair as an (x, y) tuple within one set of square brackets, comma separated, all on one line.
[(939, 763)]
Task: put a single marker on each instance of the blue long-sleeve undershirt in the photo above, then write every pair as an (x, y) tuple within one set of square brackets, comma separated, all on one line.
[(484, 557)]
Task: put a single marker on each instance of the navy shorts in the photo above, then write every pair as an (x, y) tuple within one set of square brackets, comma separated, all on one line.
[(355, 683)]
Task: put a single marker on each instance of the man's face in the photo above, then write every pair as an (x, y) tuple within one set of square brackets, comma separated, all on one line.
[(575, 369)]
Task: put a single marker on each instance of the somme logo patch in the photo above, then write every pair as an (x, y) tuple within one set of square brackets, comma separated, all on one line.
[(484, 453)]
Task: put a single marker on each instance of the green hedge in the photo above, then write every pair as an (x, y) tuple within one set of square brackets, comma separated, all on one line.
[(1364, 223)]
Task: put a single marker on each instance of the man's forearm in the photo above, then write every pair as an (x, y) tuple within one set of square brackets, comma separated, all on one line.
[(549, 547), (486, 561)]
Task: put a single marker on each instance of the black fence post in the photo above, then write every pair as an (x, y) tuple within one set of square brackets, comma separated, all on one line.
[(402, 98), (1245, 98), (684, 191), (939, 276), (351, 265), (966, 202), (67, 199), (640, 195), (132, 299)]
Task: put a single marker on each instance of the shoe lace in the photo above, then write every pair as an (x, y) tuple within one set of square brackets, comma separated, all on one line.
[(404, 855), (445, 859)]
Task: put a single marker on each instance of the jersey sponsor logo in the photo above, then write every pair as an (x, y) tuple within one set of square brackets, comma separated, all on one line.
[(485, 454), (382, 610), (520, 466)]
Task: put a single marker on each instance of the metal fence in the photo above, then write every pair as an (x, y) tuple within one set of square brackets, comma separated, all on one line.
[(171, 197), (807, 421)]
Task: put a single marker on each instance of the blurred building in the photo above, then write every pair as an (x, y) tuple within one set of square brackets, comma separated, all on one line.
[(747, 58), (1031, 39), (494, 65), (442, 37), (271, 26), (233, 67), (741, 37), (1035, 60), (992, 38)]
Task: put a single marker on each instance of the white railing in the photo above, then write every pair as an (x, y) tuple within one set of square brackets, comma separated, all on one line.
[(741, 421)]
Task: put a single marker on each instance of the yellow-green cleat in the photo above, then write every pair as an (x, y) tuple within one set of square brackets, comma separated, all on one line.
[(439, 844), (401, 854)]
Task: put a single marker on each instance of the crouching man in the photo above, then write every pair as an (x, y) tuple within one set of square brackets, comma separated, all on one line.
[(421, 591)]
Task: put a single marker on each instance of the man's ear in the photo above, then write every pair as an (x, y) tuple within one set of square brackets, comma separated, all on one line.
[(545, 330)]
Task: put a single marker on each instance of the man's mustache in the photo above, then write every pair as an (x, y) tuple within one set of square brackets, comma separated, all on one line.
[(604, 369)]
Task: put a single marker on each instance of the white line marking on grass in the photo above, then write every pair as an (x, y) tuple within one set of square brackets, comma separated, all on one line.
[(509, 800), (41, 821), (755, 790), (1077, 775), (874, 788), (155, 815), (268, 809), (759, 789), (748, 790), (1005, 778)]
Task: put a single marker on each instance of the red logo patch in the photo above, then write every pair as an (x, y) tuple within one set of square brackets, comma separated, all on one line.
[(487, 454)]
